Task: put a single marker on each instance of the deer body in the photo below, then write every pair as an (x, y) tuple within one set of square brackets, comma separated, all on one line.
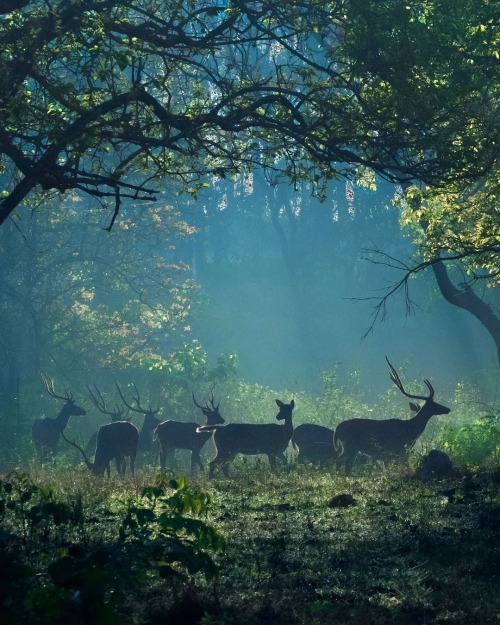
[(314, 443), (115, 441), (387, 439), (47, 430), (251, 439), (181, 435)]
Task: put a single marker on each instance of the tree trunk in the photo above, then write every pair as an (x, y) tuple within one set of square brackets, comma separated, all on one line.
[(466, 299)]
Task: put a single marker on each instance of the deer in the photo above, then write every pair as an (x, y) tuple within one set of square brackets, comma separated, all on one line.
[(115, 441), (115, 415), (314, 444), (150, 422), (46, 430), (387, 439), (250, 439), (181, 435)]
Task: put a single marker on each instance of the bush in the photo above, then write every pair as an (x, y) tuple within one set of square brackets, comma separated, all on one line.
[(473, 444)]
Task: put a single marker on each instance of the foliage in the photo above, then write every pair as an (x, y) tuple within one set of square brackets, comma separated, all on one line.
[(157, 528), (460, 225), (106, 99), (473, 444), (54, 573), (96, 300)]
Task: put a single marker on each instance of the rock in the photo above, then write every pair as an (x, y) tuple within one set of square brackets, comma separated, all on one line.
[(342, 501), (436, 465)]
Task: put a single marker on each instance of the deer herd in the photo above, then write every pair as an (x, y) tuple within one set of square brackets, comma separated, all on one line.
[(386, 440)]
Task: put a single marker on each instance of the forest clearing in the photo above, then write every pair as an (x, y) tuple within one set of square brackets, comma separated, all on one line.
[(270, 548)]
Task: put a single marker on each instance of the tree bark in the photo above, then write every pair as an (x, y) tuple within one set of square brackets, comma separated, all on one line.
[(466, 299)]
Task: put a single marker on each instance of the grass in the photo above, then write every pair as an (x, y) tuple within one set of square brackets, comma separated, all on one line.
[(404, 552)]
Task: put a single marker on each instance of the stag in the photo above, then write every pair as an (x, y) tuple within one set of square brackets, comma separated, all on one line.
[(314, 444), (180, 435), (115, 441), (46, 430), (114, 415), (388, 439), (150, 422), (251, 439)]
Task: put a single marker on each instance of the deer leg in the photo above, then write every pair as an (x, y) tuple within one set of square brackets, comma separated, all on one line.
[(216, 462), (132, 465), (274, 457), (196, 460), (349, 460), (222, 462), (164, 454), (162, 460), (225, 466), (282, 458)]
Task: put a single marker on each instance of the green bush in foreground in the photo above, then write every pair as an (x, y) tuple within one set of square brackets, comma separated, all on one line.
[(50, 573), (473, 444)]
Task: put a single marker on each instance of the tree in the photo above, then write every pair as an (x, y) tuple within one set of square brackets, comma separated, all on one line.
[(459, 237), (439, 61), (106, 98), (86, 311)]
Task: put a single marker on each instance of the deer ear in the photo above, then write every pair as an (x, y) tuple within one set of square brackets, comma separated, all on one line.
[(292, 403), (280, 403), (414, 407)]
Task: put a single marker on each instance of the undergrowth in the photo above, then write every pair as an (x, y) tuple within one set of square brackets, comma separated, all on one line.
[(256, 549)]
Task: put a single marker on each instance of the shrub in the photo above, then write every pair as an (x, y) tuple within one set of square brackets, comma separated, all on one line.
[(473, 444)]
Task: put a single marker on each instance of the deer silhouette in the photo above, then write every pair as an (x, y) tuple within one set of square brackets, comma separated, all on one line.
[(314, 444), (251, 439), (387, 439), (185, 435), (115, 441), (47, 430)]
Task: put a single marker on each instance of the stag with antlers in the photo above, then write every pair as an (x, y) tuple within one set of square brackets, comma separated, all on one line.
[(46, 430), (150, 422), (180, 435), (388, 439)]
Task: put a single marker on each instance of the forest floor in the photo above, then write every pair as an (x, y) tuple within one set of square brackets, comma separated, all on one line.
[(390, 550)]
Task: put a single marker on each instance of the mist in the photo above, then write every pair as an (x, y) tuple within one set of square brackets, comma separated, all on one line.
[(287, 326)]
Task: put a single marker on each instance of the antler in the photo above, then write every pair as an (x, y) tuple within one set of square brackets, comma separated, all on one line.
[(397, 381), (87, 461), (207, 407), (100, 404), (198, 405), (137, 400), (98, 400), (212, 401), (49, 387)]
